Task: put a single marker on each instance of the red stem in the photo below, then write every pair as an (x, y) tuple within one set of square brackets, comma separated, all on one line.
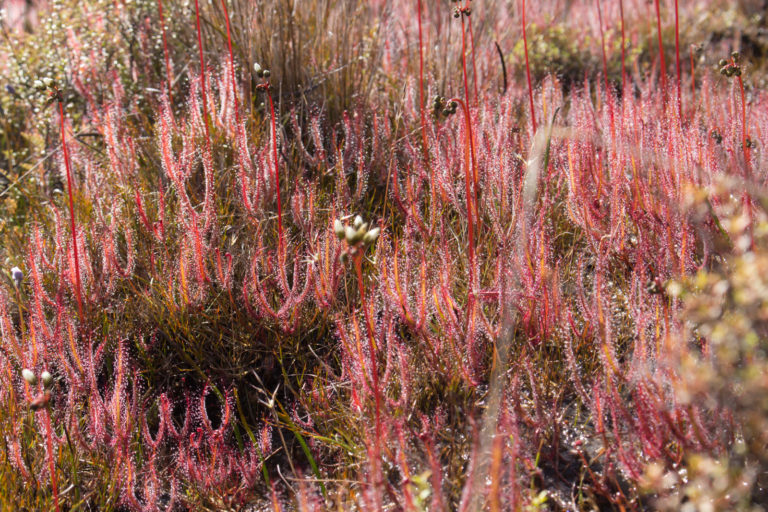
[(474, 63), (663, 71), (421, 86), (528, 72), (231, 63), (202, 75), (358, 259), (168, 70), (51, 462), (744, 132), (277, 176), (677, 63), (623, 44), (71, 210), (466, 97), (471, 197), (605, 67), (693, 82)]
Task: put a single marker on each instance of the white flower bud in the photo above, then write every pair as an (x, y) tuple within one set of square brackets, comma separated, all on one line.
[(29, 376), (39, 85), (358, 222), (256, 67), (47, 379), (371, 236), (17, 276), (48, 81), (338, 228), (350, 234)]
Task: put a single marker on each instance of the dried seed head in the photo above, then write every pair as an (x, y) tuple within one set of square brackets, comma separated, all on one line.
[(29, 376)]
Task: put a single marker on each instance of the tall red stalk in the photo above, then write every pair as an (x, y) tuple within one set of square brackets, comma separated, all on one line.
[(693, 81), (202, 75), (472, 45), (72, 224), (231, 63), (281, 240), (623, 44), (663, 71), (677, 62), (168, 70), (471, 195), (605, 67), (466, 96), (358, 261), (528, 73), (422, 114), (744, 131), (51, 461)]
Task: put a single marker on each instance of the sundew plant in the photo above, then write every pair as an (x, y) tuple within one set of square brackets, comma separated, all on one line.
[(383, 255)]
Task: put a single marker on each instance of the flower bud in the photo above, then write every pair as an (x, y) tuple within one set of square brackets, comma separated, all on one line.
[(338, 228), (48, 81), (353, 236), (47, 379), (266, 73), (29, 376), (39, 85), (371, 236), (722, 63), (17, 276), (358, 222), (257, 68)]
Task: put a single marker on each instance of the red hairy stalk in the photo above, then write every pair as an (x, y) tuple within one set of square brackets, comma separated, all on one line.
[(73, 226), (663, 70), (469, 166), (421, 85), (472, 45), (744, 129), (202, 75), (693, 81), (358, 261), (605, 66), (51, 461), (168, 69), (281, 240), (231, 63), (466, 105), (623, 44), (677, 62), (528, 73)]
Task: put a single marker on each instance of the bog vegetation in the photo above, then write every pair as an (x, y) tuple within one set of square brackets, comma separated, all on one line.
[(383, 255)]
